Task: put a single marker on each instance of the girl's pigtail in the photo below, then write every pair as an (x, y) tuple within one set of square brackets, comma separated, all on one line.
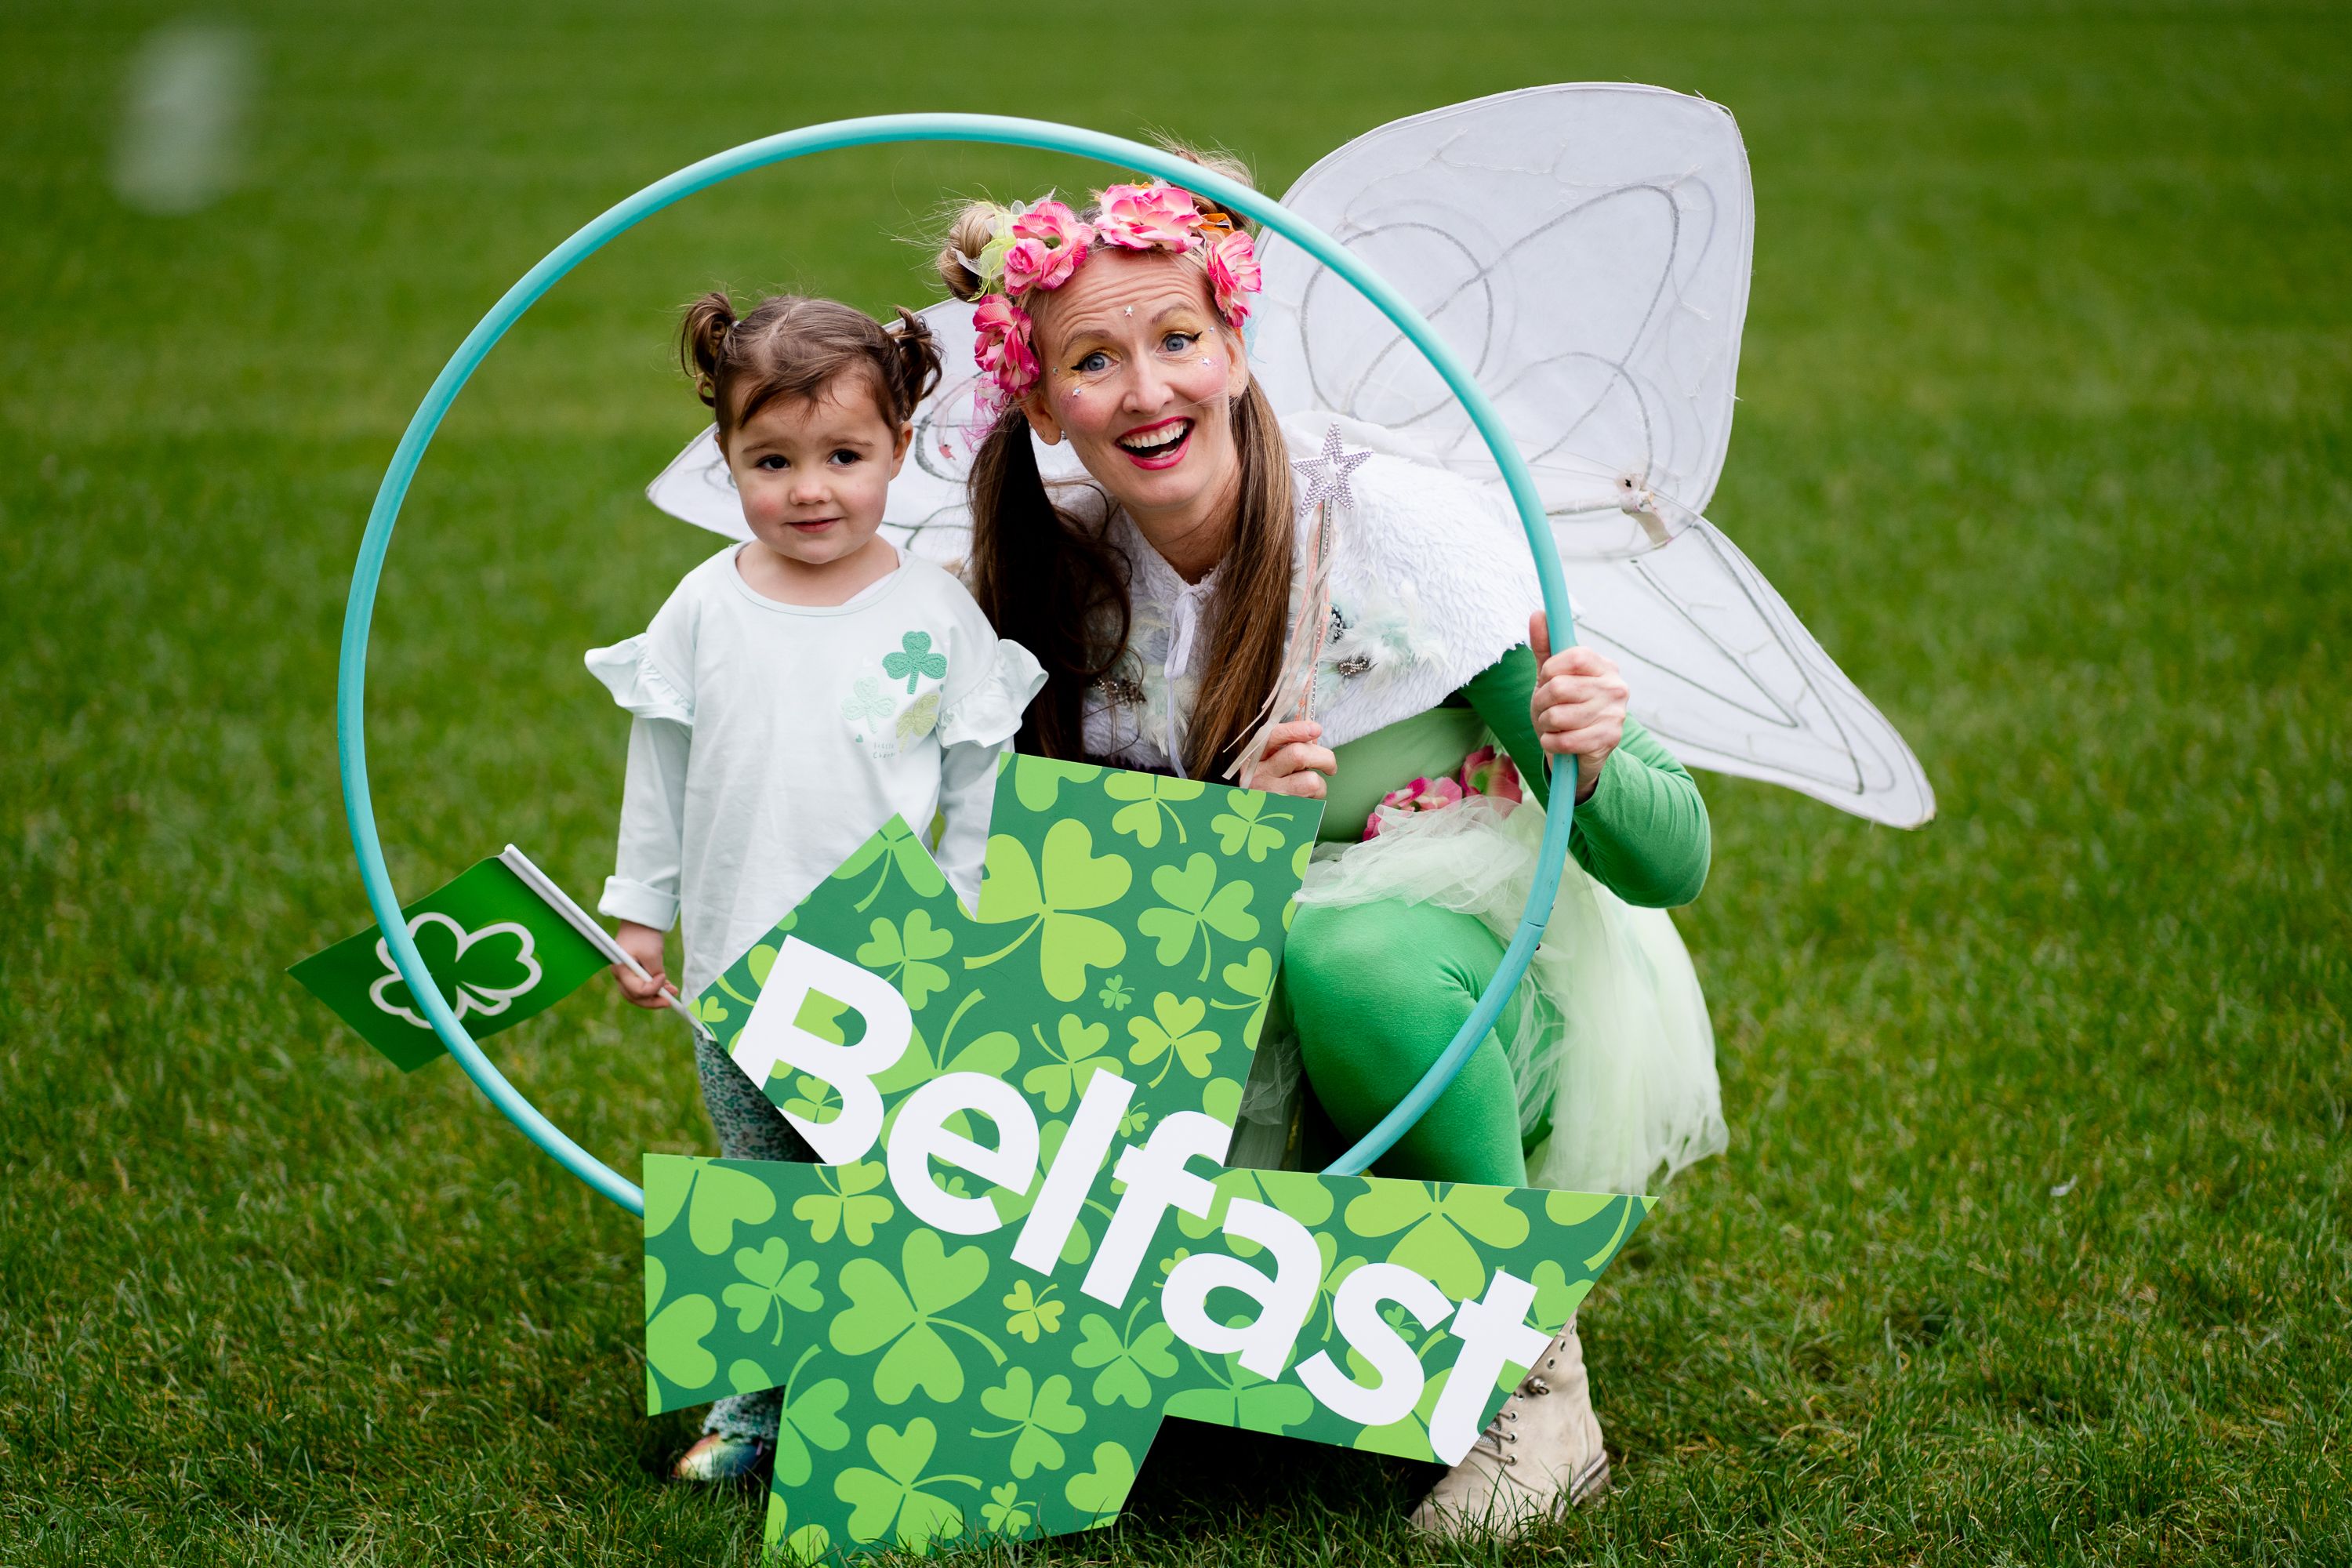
[(915, 370), (702, 343)]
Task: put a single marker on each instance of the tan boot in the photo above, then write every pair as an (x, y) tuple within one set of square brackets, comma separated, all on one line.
[(1541, 1453)]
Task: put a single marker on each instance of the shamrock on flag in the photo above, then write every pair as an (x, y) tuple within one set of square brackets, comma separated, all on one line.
[(501, 942), (482, 972)]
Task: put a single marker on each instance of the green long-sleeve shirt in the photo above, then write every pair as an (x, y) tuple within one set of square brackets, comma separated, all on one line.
[(1642, 832)]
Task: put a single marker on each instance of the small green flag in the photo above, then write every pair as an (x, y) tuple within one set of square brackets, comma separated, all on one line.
[(498, 949)]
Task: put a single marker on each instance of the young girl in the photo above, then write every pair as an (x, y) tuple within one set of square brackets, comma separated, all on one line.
[(793, 693)]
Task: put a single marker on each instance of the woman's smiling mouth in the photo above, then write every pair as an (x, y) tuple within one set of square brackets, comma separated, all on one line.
[(1157, 446)]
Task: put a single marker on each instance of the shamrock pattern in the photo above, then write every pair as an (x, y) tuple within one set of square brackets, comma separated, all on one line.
[(1049, 902), (1194, 904), (1249, 825), (937, 1390), (1152, 800), (896, 1502), (905, 1312)]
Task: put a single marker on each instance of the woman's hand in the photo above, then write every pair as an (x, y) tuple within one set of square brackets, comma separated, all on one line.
[(1292, 763), (644, 944), (1578, 705)]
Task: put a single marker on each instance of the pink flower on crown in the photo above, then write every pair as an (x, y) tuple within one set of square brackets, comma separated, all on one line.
[(1048, 244), (1233, 276), (1157, 217), (1002, 348), (1025, 261)]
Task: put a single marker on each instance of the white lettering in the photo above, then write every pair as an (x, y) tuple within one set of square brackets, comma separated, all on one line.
[(1072, 1174), (1155, 1182), (773, 1038), (1283, 1301), (1356, 1309), (1494, 1334), (919, 1135)]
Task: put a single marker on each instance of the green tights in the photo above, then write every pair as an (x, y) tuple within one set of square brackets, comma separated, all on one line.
[(1376, 992)]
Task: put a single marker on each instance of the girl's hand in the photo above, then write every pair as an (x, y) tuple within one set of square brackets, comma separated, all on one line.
[(1292, 763), (1578, 705), (644, 944)]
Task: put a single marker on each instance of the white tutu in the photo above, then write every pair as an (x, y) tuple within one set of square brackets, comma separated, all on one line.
[(1612, 1043)]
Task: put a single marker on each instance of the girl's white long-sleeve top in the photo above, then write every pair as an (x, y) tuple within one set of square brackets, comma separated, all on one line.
[(769, 741)]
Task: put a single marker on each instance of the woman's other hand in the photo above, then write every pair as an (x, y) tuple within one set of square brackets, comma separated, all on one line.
[(644, 944), (1579, 704), (1292, 763)]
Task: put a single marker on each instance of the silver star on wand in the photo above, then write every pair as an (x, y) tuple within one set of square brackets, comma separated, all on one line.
[(1325, 476)]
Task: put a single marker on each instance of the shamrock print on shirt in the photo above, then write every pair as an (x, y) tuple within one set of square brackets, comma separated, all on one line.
[(883, 724), (914, 661)]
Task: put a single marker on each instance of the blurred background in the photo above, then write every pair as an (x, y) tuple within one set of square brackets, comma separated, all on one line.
[(2030, 1245)]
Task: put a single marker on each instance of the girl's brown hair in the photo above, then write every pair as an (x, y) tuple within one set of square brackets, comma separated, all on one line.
[(1055, 584), (791, 347)]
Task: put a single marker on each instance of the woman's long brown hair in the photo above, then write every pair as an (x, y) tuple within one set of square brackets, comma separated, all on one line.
[(1053, 585)]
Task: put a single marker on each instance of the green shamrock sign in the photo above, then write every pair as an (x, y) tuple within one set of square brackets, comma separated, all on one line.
[(1021, 1250)]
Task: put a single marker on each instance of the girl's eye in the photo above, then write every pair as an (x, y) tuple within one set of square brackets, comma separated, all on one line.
[(845, 456), (771, 461), (1093, 364)]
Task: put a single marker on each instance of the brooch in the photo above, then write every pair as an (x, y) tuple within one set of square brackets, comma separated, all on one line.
[(1124, 691)]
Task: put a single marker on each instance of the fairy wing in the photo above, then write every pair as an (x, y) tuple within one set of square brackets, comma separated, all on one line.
[(927, 513), (1727, 676), (1585, 250)]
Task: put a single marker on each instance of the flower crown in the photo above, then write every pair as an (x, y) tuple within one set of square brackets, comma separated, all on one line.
[(1043, 246)]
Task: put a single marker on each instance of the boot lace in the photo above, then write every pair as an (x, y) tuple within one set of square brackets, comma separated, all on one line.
[(1503, 1430)]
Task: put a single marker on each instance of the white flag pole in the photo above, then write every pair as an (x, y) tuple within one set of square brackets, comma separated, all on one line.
[(579, 919)]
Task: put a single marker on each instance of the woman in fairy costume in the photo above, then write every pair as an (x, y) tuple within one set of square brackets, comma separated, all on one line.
[(1306, 606)]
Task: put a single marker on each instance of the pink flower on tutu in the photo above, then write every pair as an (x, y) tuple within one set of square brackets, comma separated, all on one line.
[(1233, 276), (1492, 774), (1002, 348), (1148, 218), (1421, 795), (1048, 244)]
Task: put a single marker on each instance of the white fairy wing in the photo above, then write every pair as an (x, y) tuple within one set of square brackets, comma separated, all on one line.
[(927, 514), (1586, 250), (1722, 670), (696, 488)]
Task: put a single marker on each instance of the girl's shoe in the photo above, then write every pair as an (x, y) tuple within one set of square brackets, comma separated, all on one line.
[(1541, 1453), (719, 1458)]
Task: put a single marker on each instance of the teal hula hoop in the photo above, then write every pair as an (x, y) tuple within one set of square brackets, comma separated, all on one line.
[(350, 720)]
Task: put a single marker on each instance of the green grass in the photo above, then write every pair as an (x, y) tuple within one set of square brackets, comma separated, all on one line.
[(2031, 1246)]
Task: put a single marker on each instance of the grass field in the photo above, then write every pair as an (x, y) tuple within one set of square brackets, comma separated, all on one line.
[(2031, 1246)]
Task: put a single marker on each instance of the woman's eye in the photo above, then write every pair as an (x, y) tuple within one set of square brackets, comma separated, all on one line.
[(1093, 364), (1177, 343)]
